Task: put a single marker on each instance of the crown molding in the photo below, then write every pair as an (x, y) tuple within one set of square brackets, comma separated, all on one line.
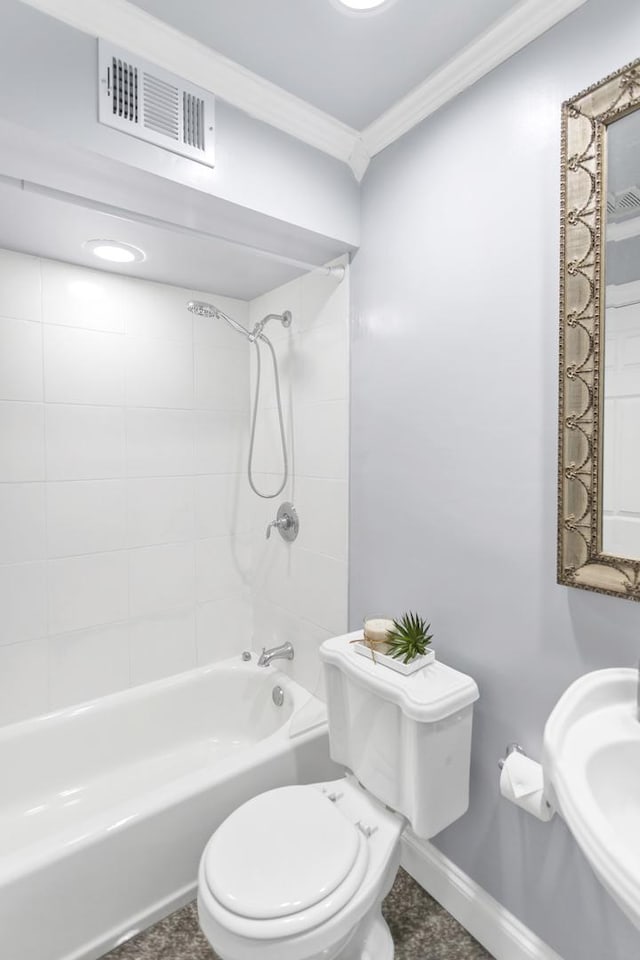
[(508, 35), (129, 27), (132, 28)]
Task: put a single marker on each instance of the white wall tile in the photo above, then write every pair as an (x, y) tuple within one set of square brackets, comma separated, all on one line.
[(222, 567), (23, 602), (84, 443), (324, 507), (159, 443), (162, 578), (159, 373), (106, 487), (79, 297), (221, 378), (86, 516), (319, 364), (23, 680), (320, 591), (87, 591), (160, 511), (20, 360), (21, 441), (267, 450), (222, 505), (324, 300), (223, 628), (321, 437), (159, 312), (221, 442), (87, 664), (20, 286), (162, 646), (309, 585), (22, 522), (83, 366)]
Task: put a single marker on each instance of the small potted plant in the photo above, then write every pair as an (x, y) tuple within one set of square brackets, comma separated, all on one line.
[(400, 644)]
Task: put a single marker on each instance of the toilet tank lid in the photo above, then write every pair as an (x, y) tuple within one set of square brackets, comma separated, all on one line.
[(429, 695)]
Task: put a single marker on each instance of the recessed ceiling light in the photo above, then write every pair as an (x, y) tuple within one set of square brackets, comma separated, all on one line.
[(362, 6), (115, 251)]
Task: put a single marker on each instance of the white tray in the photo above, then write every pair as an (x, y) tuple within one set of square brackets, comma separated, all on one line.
[(387, 661)]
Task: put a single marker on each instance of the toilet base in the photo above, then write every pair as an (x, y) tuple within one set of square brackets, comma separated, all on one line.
[(376, 944)]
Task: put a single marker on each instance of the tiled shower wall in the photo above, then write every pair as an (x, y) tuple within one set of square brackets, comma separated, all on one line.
[(130, 545), (123, 423), (299, 590)]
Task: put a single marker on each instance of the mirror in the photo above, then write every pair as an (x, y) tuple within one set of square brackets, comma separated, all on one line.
[(599, 418), (621, 370)]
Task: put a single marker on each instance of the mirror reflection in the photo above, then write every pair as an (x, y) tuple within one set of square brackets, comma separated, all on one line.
[(620, 469)]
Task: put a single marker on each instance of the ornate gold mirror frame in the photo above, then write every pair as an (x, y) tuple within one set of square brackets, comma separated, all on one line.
[(585, 119)]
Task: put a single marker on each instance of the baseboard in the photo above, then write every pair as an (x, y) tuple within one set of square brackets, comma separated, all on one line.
[(499, 932)]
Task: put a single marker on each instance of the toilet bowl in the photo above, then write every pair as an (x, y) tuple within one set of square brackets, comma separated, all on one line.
[(299, 873)]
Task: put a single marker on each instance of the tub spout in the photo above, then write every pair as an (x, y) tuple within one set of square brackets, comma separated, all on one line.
[(285, 652)]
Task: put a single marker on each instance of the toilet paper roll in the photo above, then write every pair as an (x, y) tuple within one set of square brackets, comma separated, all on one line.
[(521, 781)]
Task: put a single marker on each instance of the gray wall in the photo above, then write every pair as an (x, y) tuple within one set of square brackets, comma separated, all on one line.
[(453, 502)]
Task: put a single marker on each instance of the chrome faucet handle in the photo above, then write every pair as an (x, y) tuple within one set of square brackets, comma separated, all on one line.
[(283, 523), (286, 522), (274, 523)]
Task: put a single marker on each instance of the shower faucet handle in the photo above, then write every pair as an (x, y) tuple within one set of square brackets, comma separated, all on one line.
[(286, 523), (274, 523)]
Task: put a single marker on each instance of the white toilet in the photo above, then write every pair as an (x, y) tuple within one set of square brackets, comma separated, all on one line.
[(300, 873)]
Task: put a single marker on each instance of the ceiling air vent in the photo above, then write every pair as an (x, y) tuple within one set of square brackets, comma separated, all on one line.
[(624, 204), (151, 104)]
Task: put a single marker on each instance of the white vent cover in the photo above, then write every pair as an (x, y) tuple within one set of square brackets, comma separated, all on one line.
[(152, 104), (624, 204)]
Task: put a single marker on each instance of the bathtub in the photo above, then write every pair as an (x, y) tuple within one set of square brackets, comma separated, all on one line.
[(106, 807)]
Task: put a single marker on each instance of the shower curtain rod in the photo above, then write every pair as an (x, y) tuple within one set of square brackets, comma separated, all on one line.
[(121, 213)]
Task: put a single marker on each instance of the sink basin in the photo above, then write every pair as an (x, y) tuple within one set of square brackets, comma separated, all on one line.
[(591, 763)]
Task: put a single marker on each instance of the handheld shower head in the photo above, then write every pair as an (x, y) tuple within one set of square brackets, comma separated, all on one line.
[(202, 309)]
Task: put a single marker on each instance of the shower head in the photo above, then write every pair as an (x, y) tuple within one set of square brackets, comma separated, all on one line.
[(203, 309)]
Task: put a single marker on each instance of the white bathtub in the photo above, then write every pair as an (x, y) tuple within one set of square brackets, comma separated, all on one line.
[(105, 808)]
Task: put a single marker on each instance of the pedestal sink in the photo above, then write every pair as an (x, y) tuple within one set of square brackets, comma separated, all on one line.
[(591, 763)]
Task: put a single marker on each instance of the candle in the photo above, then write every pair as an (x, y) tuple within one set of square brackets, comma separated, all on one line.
[(376, 630)]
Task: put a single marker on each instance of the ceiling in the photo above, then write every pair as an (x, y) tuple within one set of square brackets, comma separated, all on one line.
[(352, 66)]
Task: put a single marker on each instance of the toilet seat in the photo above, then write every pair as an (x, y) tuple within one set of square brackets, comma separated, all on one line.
[(300, 850), (283, 863)]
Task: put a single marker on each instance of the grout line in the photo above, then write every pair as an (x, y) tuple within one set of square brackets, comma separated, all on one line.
[(295, 616), (124, 479)]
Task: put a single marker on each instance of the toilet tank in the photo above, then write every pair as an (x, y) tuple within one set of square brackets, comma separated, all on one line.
[(406, 738)]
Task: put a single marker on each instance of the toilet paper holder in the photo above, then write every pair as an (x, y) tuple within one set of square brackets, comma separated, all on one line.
[(532, 798), (511, 748)]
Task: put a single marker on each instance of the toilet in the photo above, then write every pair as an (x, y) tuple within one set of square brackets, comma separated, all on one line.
[(300, 872)]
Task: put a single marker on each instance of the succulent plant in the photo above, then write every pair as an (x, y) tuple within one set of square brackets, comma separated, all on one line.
[(409, 638)]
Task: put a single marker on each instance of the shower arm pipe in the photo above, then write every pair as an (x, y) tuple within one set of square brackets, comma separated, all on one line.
[(131, 216)]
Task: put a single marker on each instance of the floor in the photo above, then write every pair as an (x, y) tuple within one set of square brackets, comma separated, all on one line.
[(421, 930)]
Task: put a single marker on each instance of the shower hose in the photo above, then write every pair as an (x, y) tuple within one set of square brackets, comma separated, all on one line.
[(267, 496)]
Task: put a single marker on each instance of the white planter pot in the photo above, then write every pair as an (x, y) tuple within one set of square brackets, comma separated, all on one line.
[(385, 660)]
